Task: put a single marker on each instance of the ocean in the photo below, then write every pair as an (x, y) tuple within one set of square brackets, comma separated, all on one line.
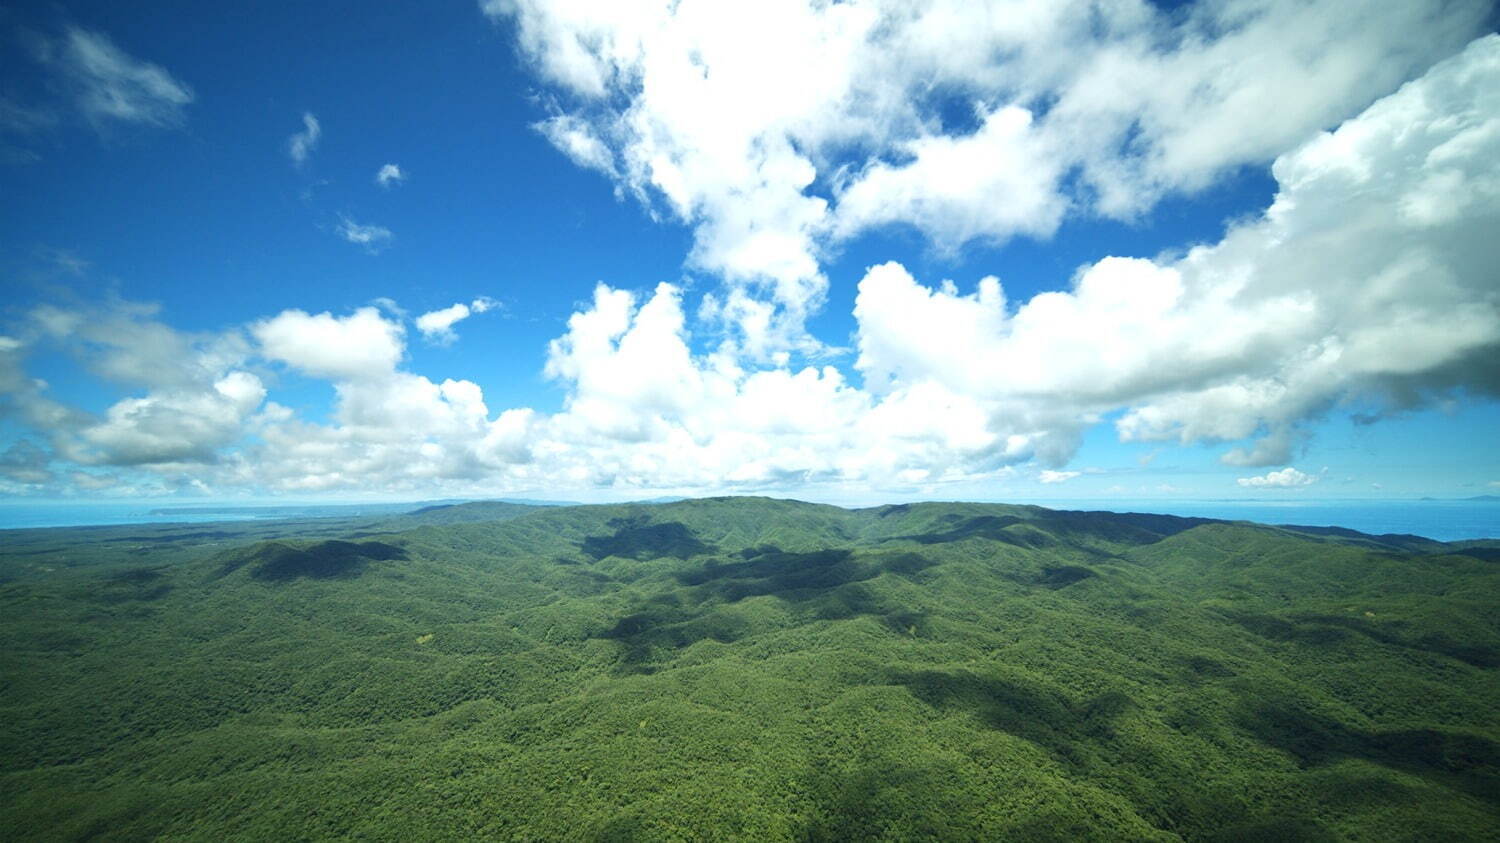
[(23, 514), (17, 515)]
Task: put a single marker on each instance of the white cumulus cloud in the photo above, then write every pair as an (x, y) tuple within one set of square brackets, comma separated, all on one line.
[(779, 130), (1368, 282), (997, 182), (361, 346), (1337, 294), (437, 325), (1286, 478), (173, 426)]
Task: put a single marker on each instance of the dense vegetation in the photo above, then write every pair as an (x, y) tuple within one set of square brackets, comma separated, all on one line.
[(748, 668)]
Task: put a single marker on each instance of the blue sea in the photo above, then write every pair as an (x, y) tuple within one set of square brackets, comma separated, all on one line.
[(20, 514), (14, 515)]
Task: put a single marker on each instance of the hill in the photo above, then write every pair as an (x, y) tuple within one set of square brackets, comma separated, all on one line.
[(755, 669)]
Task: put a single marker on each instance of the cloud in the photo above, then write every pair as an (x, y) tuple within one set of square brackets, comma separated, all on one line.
[(86, 481), (173, 427), (993, 184), (109, 85), (24, 399), (1078, 107), (197, 397), (401, 432), (389, 174), (1286, 478), (21, 119), (575, 138), (301, 144), (125, 343), (361, 346), (64, 262), (24, 462), (1367, 283), (642, 410), (390, 306), (373, 238), (1369, 280), (1057, 476), (682, 110), (437, 325), (1349, 288)]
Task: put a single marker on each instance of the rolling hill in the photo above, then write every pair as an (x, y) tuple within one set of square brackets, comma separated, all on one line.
[(749, 668)]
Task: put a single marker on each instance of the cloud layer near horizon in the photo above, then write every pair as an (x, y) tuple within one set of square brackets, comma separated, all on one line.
[(1369, 283)]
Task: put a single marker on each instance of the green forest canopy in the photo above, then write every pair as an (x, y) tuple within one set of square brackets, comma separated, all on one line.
[(748, 668)]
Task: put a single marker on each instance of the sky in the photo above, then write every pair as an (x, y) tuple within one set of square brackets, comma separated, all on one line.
[(855, 252)]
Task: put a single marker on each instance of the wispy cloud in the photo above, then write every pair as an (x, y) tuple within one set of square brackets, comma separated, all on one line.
[(389, 175), (373, 238), (1057, 476), (389, 305), (19, 119), (55, 262), (110, 85), (301, 145)]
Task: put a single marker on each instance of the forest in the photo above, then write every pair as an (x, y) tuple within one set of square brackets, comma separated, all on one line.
[(747, 668)]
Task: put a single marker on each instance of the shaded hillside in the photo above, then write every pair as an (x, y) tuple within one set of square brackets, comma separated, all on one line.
[(758, 669), (278, 561)]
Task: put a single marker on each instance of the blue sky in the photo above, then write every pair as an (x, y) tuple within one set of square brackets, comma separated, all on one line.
[(1234, 250)]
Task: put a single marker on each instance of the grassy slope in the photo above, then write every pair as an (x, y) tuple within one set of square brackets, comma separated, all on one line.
[(761, 669)]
